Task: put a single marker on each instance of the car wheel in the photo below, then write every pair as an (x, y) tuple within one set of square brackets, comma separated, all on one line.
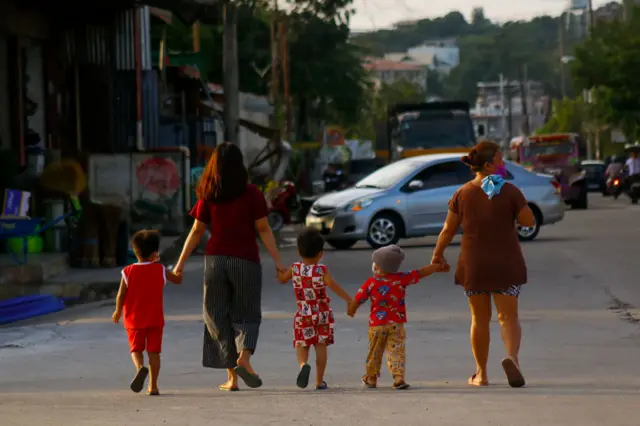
[(384, 230), (342, 244), (582, 203), (529, 233), (276, 221)]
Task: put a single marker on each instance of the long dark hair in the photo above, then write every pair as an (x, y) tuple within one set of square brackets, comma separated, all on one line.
[(480, 155), (225, 178)]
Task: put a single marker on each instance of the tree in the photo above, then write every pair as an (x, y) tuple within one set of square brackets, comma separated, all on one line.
[(378, 102), (609, 62), (478, 18)]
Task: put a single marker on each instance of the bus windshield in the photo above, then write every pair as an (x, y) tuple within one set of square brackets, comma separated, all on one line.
[(441, 131), (549, 148)]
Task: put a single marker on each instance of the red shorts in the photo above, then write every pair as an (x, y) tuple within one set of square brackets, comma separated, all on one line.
[(149, 339)]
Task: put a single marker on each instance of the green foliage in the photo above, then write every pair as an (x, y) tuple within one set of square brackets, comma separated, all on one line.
[(377, 103), (327, 81), (486, 49), (568, 117), (609, 61)]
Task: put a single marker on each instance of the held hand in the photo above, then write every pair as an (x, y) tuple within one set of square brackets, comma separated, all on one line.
[(178, 269), (116, 317), (438, 260), (444, 268), (280, 268)]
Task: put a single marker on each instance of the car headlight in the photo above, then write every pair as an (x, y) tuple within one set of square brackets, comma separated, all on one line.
[(358, 205)]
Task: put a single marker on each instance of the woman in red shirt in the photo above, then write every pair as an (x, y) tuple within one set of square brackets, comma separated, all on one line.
[(234, 211)]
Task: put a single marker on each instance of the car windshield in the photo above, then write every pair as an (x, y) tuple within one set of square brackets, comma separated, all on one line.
[(441, 131), (388, 176)]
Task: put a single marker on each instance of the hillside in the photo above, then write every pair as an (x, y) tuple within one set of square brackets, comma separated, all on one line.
[(487, 49)]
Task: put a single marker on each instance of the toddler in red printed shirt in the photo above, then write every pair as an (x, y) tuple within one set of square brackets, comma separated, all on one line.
[(386, 290), (140, 299)]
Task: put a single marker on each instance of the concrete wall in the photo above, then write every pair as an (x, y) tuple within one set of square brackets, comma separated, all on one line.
[(5, 120)]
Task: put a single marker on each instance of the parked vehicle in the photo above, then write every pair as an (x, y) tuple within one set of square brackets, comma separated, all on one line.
[(594, 175), (285, 204), (409, 198), (557, 155)]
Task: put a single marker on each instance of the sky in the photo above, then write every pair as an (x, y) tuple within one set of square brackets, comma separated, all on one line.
[(378, 14)]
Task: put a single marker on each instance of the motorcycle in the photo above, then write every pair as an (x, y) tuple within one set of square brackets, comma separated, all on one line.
[(633, 189), (284, 203), (614, 187)]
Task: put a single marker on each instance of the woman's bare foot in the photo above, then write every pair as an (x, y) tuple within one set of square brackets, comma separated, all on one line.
[(229, 385), (153, 391), (243, 361), (477, 380)]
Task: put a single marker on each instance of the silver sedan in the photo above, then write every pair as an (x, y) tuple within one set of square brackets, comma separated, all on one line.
[(409, 198)]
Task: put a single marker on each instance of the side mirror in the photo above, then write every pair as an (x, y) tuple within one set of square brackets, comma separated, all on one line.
[(416, 185)]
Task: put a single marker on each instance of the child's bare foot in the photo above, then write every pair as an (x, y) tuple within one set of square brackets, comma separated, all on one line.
[(369, 382), (477, 380)]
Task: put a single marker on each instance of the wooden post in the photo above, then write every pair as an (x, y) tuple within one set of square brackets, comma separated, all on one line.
[(285, 70), (196, 37), (230, 66)]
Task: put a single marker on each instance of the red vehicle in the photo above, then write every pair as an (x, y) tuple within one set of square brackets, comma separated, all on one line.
[(283, 204)]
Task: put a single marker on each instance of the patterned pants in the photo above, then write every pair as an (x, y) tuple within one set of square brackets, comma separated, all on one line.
[(391, 338)]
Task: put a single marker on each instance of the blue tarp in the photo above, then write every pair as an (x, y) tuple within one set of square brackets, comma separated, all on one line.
[(25, 307)]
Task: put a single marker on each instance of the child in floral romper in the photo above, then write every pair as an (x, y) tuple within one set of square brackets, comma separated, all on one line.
[(313, 324), (387, 289)]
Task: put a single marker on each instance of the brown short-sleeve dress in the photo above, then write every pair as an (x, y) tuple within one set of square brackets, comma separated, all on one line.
[(490, 257)]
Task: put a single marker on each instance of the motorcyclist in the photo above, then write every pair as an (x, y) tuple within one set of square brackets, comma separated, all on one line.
[(614, 169), (632, 167), (333, 177)]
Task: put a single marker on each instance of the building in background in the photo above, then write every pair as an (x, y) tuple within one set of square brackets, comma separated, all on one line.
[(390, 71), (495, 99), (439, 55)]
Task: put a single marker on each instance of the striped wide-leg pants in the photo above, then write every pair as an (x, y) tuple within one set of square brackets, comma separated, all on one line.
[(232, 309)]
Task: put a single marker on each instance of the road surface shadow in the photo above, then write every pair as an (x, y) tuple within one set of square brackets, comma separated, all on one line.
[(533, 389)]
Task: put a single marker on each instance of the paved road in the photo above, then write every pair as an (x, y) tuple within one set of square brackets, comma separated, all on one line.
[(581, 351)]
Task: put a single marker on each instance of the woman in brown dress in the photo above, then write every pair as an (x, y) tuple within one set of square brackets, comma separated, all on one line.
[(491, 262)]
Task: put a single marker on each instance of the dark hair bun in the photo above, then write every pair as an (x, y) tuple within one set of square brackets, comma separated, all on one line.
[(471, 157)]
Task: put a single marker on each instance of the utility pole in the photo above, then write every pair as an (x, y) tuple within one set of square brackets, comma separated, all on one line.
[(230, 67), (503, 119), (524, 98), (628, 9), (285, 71), (275, 81), (563, 78)]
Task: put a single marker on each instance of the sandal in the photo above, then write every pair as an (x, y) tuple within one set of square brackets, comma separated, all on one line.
[(303, 376), (514, 375), (400, 386), (366, 384), (138, 381), (251, 380), (153, 393), (323, 386)]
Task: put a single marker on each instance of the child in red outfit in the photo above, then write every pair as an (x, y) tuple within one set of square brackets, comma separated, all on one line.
[(386, 290), (313, 324), (140, 298)]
